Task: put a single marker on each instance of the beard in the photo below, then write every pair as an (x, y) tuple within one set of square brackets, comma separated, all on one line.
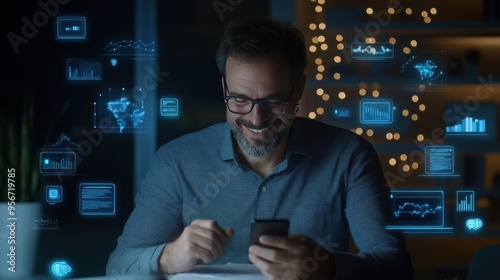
[(260, 147)]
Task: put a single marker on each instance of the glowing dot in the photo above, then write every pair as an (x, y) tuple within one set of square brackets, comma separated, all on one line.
[(424, 14), (413, 43), (324, 47), (369, 132), (314, 40), (420, 138), (318, 61), (375, 93), (359, 131), (321, 68), (372, 40), (321, 38), (367, 40), (318, 9), (336, 76), (362, 91), (403, 157), (390, 11), (392, 161), (325, 97), (421, 107), (434, 11), (369, 11), (337, 59), (392, 40), (363, 85), (421, 87), (339, 38), (312, 48), (319, 77), (321, 2), (312, 26), (408, 11), (427, 20), (406, 168), (320, 111), (389, 136), (320, 91), (406, 50), (405, 112), (342, 95), (397, 136), (414, 165), (322, 26), (340, 46), (414, 117), (414, 98), (312, 115)]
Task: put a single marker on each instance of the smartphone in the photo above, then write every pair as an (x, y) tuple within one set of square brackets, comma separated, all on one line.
[(268, 227)]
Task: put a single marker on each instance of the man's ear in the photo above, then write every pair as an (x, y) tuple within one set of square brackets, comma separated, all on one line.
[(223, 87)]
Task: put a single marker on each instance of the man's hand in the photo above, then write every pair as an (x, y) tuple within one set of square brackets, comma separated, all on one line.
[(201, 242), (292, 257)]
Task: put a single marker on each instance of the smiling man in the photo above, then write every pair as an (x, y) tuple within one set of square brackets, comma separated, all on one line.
[(204, 189)]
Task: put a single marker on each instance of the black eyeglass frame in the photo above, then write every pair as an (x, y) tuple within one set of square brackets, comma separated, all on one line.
[(255, 101)]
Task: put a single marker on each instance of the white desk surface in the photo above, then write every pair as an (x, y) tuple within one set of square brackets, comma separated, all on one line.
[(226, 271)]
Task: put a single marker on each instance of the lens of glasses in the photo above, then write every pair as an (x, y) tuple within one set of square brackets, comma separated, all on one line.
[(245, 106)]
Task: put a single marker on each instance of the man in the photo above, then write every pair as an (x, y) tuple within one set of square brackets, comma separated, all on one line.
[(203, 189)]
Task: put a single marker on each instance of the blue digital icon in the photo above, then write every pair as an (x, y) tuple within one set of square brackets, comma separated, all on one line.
[(121, 110), (474, 224), (169, 107), (130, 47), (424, 68), (465, 201), (376, 51), (97, 199), (468, 125), (439, 160), (60, 269), (376, 111), (60, 163), (71, 28), (113, 62), (341, 112), (82, 70), (53, 194)]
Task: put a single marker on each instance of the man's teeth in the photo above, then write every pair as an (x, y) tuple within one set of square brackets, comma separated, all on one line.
[(258, 130)]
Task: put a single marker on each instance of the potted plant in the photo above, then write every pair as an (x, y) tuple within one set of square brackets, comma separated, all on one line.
[(22, 188)]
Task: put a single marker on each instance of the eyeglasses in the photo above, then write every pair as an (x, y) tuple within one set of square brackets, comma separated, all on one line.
[(243, 105)]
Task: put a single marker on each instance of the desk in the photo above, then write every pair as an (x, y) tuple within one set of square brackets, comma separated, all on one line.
[(225, 271)]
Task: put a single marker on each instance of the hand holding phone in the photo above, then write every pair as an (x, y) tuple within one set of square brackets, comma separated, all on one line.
[(268, 227)]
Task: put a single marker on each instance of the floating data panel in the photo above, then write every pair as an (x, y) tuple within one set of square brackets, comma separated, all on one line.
[(342, 112), (465, 201), (424, 70), (130, 47), (376, 51), (471, 122), (439, 160), (43, 223), (120, 111), (376, 111), (71, 28), (97, 199), (53, 194), (417, 210), (169, 107), (57, 163), (83, 70)]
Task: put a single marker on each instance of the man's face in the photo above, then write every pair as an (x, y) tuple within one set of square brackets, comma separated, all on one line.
[(258, 133)]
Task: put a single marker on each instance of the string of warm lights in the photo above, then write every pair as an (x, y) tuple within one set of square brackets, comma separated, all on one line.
[(319, 44)]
